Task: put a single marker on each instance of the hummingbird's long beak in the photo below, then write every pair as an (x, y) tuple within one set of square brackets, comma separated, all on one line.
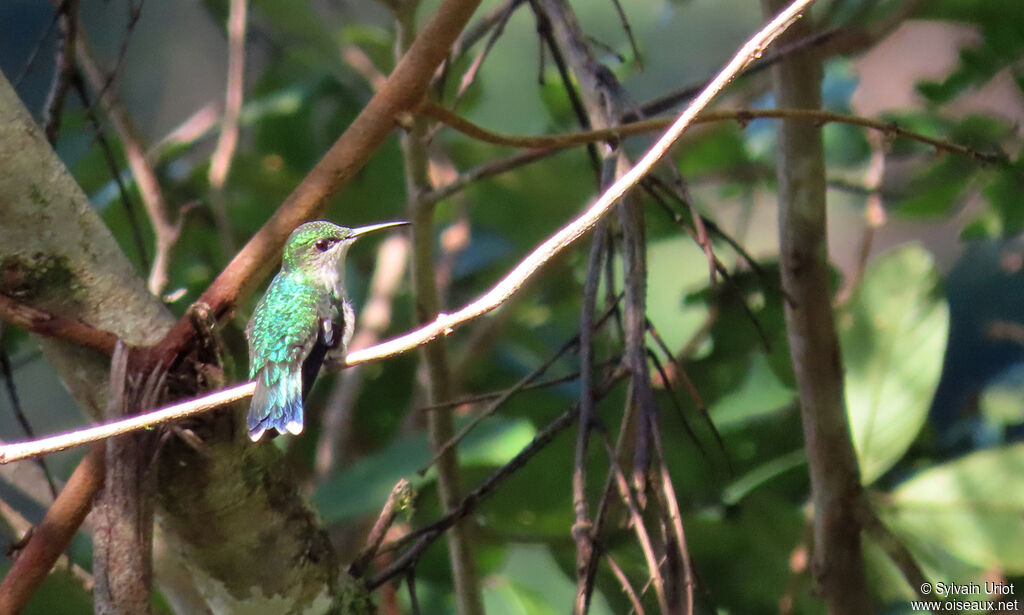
[(362, 230)]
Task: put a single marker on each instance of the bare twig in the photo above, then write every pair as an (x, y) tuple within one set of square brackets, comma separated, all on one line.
[(673, 518), (67, 16), (19, 414), (743, 116), (46, 324), (33, 55), (115, 171), (894, 548), (166, 229), (425, 536), (220, 161), (582, 528), (624, 20), (637, 521), (502, 397), (22, 529), (398, 500), (874, 218), (496, 31), (52, 536)]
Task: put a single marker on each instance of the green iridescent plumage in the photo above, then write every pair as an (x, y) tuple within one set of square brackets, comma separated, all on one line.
[(303, 318)]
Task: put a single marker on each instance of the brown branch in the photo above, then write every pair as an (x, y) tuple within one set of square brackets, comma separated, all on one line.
[(628, 497), (220, 161), (67, 16), (813, 341), (49, 325), (7, 375), (497, 29), (53, 535), (400, 94), (21, 529), (894, 548), (743, 116), (582, 528), (166, 229), (425, 536), (627, 587), (398, 500)]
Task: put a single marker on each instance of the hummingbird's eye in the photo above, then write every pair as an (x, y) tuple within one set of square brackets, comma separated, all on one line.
[(324, 244)]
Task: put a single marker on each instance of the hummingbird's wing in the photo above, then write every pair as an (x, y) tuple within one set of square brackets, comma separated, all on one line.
[(282, 332)]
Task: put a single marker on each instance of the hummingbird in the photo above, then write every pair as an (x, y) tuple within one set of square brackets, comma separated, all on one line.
[(303, 319)]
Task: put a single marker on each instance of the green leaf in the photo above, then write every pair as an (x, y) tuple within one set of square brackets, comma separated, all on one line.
[(739, 488), (532, 583), (893, 337), (675, 266), (363, 487), (970, 508), (761, 393)]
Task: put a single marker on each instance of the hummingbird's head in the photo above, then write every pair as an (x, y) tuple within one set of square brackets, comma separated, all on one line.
[(319, 246)]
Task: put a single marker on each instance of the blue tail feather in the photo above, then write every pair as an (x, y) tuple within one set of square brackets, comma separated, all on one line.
[(277, 402)]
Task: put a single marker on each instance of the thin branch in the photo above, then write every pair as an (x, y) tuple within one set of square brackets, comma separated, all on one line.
[(425, 536), (894, 548), (582, 527), (497, 30), (115, 172), (166, 229), (19, 414), (49, 325), (21, 529), (220, 161), (742, 116), (53, 535), (624, 20), (398, 500), (874, 218), (33, 55), (627, 587), (637, 521), (670, 507), (67, 16)]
